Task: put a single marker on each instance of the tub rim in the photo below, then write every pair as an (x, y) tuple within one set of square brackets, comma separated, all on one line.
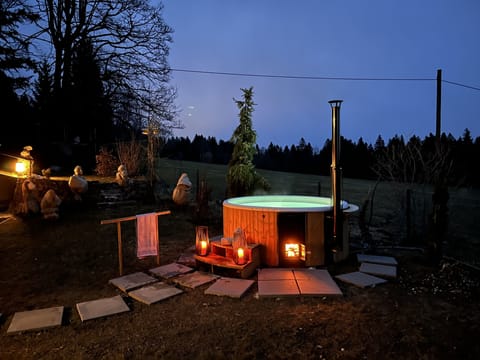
[(315, 203)]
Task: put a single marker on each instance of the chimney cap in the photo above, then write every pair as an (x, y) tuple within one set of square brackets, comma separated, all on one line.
[(335, 103)]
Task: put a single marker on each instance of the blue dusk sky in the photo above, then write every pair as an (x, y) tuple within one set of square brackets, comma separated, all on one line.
[(302, 46)]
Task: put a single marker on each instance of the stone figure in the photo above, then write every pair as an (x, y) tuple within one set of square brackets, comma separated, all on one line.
[(77, 183), (31, 198), (50, 205), (181, 193), (25, 153), (122, 176)]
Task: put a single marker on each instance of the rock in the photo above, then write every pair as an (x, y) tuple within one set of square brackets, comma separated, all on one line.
[(30, 198), (181, 193), (121, 176), (77, 183), (50, 205)]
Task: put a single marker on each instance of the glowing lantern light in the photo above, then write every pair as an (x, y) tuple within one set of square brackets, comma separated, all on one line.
[(20, 168), (239, 246), (202, 241), (240, 256), (203, 246)]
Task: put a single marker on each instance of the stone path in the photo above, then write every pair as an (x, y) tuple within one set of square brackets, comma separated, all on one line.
[(149, 289), (373, 270)]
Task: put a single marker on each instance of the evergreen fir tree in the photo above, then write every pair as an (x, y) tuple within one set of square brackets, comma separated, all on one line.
[(242, 178)]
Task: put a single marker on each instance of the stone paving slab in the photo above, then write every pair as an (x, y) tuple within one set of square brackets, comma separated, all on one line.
[(132, 281), (36, 319), (306, 273), (195, 279), (296, 281), (361, 279), (170, 270), (316, 283), (376, 259), (278, 288), (380, 270), (94, 309), (154, 293), (275, 274), (230, 287)]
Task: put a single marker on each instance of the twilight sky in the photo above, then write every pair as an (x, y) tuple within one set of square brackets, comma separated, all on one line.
[(379, 39)]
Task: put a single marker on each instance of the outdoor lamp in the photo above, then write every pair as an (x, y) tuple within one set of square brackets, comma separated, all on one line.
[(202, 241), (239, 246), (20, 168)]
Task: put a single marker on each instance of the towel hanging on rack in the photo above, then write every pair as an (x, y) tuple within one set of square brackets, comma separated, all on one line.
[(147, 235)]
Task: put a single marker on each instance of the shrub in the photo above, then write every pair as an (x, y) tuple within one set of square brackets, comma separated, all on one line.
[(130, 154), (107, 163)]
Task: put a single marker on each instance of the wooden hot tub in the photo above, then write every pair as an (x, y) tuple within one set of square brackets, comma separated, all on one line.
[(291, 229)]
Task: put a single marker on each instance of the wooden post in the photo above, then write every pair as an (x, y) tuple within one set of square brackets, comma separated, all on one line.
[(119, 236), (119, 242), (408, 215)]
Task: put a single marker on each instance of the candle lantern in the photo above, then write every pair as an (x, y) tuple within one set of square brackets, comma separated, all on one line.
[(202, 242), (239, 247)]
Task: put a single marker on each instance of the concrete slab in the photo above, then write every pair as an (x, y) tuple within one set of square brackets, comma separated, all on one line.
[(231, 287), (306, 273), (275, 274), (316, 283), (278, 288), (154, 293), (170, 270), (94, 309), (361, 279), (376, 259), (380, 270), (36, 319), (132, 281), (195, 279)]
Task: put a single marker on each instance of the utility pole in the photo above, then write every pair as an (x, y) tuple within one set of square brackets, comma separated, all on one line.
[(438, 131), (438, 231)]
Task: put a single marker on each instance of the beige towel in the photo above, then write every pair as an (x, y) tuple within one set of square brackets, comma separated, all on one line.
[(147, 235)]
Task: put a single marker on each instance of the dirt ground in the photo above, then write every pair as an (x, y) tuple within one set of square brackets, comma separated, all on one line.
[(428, 312)]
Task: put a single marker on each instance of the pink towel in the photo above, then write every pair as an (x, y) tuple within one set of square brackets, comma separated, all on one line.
[(147, 235)]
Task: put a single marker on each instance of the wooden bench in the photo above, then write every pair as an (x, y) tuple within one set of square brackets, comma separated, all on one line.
[(222, 256)]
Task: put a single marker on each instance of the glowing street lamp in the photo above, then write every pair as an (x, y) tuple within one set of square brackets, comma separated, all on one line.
[(20, 168)]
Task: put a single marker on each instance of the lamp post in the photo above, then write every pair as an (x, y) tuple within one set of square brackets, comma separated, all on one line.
[(336, 174)]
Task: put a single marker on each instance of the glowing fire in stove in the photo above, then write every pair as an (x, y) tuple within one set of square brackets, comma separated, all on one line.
[(292, 250)]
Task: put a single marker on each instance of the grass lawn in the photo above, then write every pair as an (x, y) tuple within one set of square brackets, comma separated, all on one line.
[(387, 211)]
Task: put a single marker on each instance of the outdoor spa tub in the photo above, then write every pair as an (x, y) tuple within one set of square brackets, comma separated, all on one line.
[(291, 229)]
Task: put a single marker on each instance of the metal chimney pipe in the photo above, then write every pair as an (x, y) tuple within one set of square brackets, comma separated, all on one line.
[(336, 175)]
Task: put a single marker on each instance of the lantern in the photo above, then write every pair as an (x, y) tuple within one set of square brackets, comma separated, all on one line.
[(239, 247), (20, 167), (202, 242)]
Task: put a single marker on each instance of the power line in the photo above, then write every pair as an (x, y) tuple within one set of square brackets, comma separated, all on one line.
[(463, 85), (297, 77), (300, 77)]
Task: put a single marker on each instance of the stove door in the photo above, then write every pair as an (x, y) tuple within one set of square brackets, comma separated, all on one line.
[(291, 239)]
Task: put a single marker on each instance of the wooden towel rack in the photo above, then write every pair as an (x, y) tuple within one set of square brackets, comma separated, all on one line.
[(119, 236)]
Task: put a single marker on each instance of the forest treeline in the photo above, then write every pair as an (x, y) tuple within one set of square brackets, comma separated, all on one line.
[(414, 160)]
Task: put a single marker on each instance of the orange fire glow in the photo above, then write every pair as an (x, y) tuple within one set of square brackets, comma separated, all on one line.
[(241, 256), (203, 248), (292, 250)]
